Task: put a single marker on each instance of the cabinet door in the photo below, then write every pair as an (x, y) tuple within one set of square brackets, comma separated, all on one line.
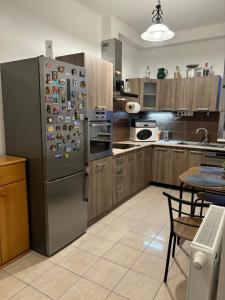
[(135, 85), (195, 158), (99, 187), (166, 97), (178, 164), (148, 164), (140, 168), (149, 94), (119, 178), (160, 170), (184, 94), (206, 93), (131, 173), (106, 86), (14, 230)]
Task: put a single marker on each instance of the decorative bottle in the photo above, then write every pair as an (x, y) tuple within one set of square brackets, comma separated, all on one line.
[(206, 70)]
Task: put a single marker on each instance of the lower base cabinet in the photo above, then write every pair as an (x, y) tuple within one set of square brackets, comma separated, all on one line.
[(119, 178), (99, 187), (178, 164)]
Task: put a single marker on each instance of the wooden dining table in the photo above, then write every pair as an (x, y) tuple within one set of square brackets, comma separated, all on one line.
[(203, 178)]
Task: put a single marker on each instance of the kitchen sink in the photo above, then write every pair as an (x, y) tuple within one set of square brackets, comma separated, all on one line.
[(124, 146), (201, 144)]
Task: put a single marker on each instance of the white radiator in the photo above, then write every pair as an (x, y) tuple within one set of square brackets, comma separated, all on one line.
[(205, 256)]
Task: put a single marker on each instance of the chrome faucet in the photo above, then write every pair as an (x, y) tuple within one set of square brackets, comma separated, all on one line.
[(206, 140)]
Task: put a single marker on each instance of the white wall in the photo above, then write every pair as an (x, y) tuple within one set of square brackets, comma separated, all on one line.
[(25, 25), (211, 51)]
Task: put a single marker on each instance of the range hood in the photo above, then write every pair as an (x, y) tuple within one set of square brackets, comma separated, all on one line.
[(112, 51)]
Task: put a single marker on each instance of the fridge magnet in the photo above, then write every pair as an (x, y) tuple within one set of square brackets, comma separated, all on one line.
[(55, 100), (67, 119), (50, 137), (81, 73), (58, 128), (62, 81), (54, 75), (83, 84), (50, 128), (61, 69), (74, 83), (69, 107), (48, 78), (47, 90), (63, 109), (64, 127), (71, 127), (60, 119), (59, 136), (53, 148), (67, 155), (57, 156), (55, 89), (50, 120), (49, 109), (55, 109), (63, 100)]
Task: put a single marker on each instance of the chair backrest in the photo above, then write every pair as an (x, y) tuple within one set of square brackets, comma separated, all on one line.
[(180, 207)]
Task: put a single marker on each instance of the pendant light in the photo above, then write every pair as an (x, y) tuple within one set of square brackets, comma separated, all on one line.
[(158, 31)]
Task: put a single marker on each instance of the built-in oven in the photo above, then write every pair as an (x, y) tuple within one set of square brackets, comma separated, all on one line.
[(99, 134)]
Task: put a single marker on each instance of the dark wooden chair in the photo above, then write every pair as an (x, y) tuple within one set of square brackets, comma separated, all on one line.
[(183, 226)]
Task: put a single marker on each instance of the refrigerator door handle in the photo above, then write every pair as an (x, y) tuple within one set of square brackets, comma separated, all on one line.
[(86, 186)]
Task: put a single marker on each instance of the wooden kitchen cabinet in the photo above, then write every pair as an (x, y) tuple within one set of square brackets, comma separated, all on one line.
[(206, 93), (140, 168), (131, 173), (178, 164), (135, 88), (166, 95), (99, 79), (119, 170), (194, 158), (14, 230), (99, 187), (148, 164), (184, 94), (161, 164)]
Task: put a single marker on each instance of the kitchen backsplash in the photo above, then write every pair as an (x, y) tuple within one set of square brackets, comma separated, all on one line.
[(182, 128)]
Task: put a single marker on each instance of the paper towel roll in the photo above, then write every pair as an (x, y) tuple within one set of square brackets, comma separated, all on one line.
[(132, 107)]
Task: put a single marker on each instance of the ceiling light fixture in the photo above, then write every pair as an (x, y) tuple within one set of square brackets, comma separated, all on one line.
[(158, 31)]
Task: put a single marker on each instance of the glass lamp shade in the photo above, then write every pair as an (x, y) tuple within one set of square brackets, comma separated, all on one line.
[(157, 32)]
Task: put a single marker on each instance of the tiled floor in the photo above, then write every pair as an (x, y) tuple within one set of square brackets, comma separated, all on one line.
[(120, 257)]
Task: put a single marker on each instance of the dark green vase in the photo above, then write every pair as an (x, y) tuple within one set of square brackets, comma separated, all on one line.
[(162, 73)]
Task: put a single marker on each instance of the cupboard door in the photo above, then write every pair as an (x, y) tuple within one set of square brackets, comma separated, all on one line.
[(160, 170), (149, 94), (148, 164), (135, 85), (100, 187), (119, 178), (140, 168), (106, 86), (14, 230), (131, 173), (206, 93), (166, 96), (184, 94), (178, 164), (195, 158)]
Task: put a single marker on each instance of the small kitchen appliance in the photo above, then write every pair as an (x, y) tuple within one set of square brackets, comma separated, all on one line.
[(144, 131)]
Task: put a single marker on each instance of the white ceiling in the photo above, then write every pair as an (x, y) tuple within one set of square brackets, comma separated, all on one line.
[(178, 14)]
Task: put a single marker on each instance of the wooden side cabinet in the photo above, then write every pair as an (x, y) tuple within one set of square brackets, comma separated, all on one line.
[(99, 79), (119, 178), (14, 231), (99, 187)]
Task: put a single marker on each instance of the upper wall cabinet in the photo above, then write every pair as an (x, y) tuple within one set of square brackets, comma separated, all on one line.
[(184, 94), (166, 95), (135, 88), (99, 79), (206, 92)]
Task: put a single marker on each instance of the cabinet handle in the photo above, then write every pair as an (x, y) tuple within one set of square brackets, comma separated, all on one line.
[(180, 151), (165, 108), (196, 152), (182, 109), (161, 149), (202, 109), (3, 194)]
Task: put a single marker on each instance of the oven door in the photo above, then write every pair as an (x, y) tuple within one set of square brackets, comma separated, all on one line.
[(144, 134), (100, 139)]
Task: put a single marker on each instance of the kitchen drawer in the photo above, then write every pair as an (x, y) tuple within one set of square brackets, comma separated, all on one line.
[(12, 173)]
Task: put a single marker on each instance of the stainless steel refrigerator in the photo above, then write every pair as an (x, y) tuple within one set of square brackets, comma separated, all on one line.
[(44, 104)]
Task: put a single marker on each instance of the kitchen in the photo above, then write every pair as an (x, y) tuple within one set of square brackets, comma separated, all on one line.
[(82, 210)]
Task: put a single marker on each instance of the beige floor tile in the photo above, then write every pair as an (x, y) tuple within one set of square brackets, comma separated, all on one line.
[(106, 274), (95, 228), (150, 265), (29, 267), (137, 241), (136, 213), (55, 282), (85, 290), (147, 229), (158, 248), (114, 296), (78, 242), (167, 292), (97, 245), (109, 218), (164, 234), (156, 217), (59, 255), (9, 285), (136, 286), (121, 209), (30, 294), (113, 234), (78, 261), (122, 255)]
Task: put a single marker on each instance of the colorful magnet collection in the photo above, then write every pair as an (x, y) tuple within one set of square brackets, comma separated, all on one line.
[(65, 103)]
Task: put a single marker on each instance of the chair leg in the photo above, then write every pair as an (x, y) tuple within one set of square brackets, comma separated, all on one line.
[(168, 257), (174, 245)]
